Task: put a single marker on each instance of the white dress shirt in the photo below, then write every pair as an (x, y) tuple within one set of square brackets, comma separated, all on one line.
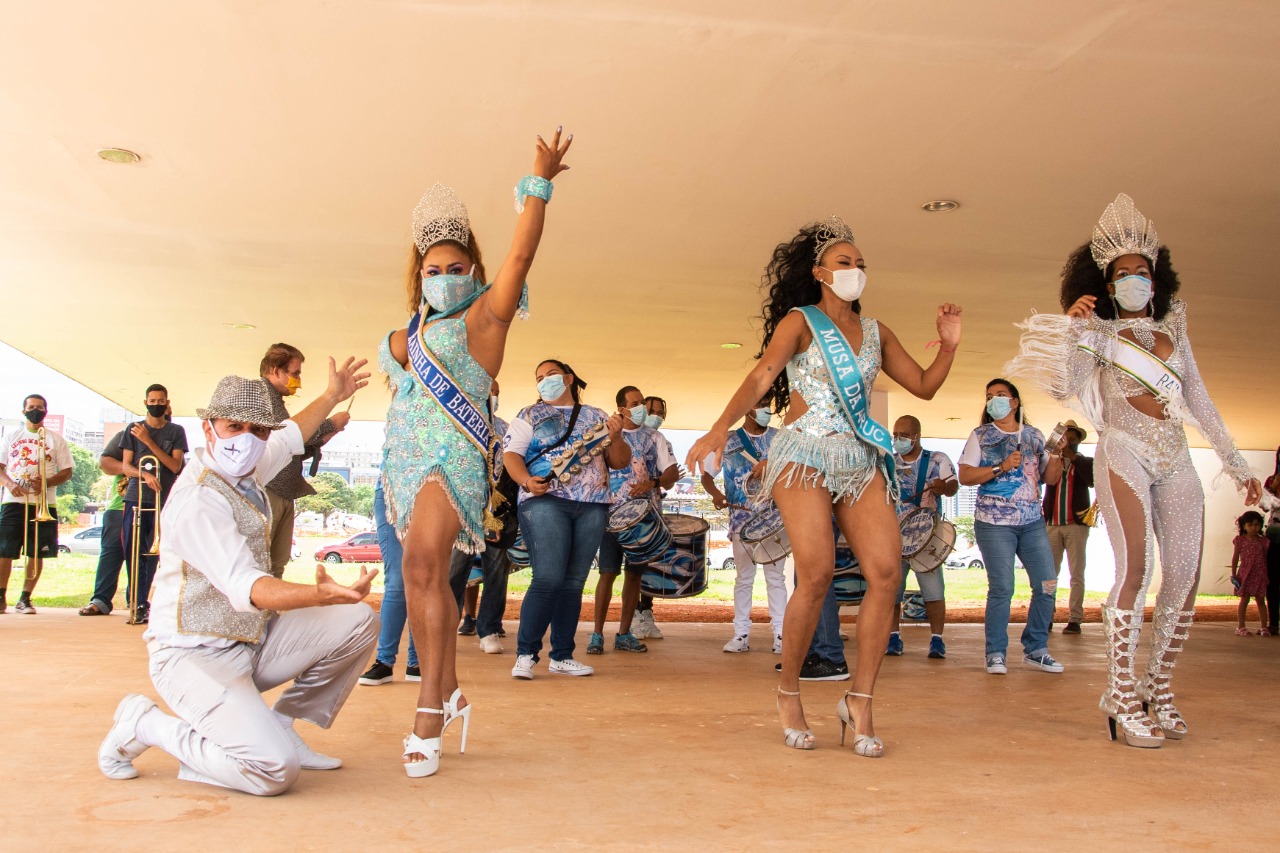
[(197, 528)]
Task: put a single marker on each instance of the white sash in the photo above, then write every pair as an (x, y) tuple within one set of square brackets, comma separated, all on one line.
[(1152, 372)]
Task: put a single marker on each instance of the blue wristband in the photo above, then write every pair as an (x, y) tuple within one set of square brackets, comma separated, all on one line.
[(532, 185)]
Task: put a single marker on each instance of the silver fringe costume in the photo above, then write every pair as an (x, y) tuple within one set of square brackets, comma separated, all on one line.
[(1150, 456)]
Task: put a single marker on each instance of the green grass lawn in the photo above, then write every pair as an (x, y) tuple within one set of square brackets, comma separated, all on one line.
[(68, 582)]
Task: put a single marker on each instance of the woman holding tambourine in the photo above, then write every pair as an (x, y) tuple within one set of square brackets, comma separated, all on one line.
[(830, 456), (559, 452)]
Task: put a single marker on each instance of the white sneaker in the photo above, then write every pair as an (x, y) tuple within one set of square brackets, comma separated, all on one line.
[(738, 644), (308, 758), (569, 666), (647, 625), (121, 745), (490, 644), (523, 667), (777, 644)]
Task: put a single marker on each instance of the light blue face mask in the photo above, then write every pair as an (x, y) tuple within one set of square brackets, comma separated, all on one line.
[(551, 387), (446, 293), (902, 446), (998, 407), (762, 417), (653, 421), (638, 414), (1133, 292)]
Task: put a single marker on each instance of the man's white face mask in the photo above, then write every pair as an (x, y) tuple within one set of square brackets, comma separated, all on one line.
[(238, 455)]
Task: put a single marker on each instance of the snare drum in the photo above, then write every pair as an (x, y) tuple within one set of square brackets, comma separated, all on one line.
[(917, 526), (942, 540), (639, 530), (681, 571), (764, 536)]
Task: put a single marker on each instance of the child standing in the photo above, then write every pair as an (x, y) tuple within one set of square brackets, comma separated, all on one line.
[(1249, 570)]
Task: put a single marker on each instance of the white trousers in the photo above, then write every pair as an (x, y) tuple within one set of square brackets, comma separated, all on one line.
[(224, 733), (775, 586)]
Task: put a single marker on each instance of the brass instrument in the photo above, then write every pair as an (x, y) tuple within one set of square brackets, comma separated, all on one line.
[(151, 465), (42, 504)]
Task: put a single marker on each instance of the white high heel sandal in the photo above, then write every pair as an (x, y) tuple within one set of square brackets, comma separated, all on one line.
[(868, 746), (795, 738), (451, 713), (428, 748)]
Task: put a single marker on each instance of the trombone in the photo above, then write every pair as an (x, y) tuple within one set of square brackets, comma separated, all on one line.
[(151, 465), (42, 506)]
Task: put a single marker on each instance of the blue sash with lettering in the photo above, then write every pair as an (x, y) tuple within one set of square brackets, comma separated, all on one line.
[(462, 413), (846, 377)]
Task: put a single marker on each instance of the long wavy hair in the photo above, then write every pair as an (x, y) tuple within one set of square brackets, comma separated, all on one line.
[(789, 283), (1081, 277), (413, 282)]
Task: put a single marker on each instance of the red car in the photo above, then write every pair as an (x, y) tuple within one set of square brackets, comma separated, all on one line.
[(361, 548)]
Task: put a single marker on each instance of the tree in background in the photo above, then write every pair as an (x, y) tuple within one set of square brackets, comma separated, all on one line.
[(332, 494), (964, 528), (362, 500), (86, 474)]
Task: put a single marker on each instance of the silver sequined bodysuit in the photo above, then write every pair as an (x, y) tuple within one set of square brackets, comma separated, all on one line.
[(1147, 455), (821, 447)]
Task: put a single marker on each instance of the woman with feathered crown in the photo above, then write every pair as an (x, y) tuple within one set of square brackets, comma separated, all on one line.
[(830, 457), (1121, 355), (441, 450)]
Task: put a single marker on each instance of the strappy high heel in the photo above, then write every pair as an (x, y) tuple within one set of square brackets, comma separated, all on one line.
[(451, 713), (868, 746), (428, 748), (795, 738), (1172, 626), (1125, 716)]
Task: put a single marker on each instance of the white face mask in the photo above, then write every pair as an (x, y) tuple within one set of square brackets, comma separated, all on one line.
[(493, 403), (1133, 292), (761, 417), (239, 455), (848, 284)]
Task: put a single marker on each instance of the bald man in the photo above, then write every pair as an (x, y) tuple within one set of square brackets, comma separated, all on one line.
[(924, 476)]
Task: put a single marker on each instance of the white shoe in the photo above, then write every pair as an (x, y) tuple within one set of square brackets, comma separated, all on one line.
[(308, 757), (777, 644), (738, 644), (640, 625), (121, 745), (651, 630), (569, 666), (490, 644), (523, 667)]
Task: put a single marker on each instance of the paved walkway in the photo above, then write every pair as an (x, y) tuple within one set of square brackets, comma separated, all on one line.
[(675, 749)]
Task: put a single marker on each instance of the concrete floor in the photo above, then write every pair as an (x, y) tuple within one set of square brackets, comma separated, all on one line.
[(675, 749)]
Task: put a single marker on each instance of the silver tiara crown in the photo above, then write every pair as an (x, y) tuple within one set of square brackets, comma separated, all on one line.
[(829, 232), (1122, 230), (440, 216)]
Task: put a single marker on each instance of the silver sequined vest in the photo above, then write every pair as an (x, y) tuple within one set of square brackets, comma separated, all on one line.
[(202, 608)]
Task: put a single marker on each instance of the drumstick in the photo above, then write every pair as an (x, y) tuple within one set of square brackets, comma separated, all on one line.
[(349, 402)]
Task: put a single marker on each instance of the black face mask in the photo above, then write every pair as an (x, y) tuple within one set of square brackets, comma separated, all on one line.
[(157, 410), (35, 416)]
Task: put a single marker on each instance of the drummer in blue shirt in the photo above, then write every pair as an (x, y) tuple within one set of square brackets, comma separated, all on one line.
[(924, 475)]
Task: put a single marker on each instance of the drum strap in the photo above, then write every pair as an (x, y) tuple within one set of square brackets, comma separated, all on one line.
[(749, 448), (573, 421), (922, 476)]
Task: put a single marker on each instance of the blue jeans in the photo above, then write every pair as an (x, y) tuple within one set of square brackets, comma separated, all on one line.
[(393, 610), (998, 544), (562, 537), (110, 560), (826, 642), (146, 569)]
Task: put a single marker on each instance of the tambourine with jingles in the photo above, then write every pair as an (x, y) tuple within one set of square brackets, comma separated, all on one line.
[(570, 461)]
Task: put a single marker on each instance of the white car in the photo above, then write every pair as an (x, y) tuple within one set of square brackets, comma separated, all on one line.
[(721, 558), (87, 541), (968, 558)]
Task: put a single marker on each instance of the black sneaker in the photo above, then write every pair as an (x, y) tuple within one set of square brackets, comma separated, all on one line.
[(141, 616), (413, 673), (377, 674), (468, 626), (1071, 628), (815, 668)]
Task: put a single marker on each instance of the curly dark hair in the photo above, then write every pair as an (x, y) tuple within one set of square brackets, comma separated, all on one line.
[(789, 282), (1081, 277), (1250, 515)]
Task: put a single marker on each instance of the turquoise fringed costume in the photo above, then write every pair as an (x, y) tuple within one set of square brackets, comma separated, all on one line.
[(822, 439), (423, 444)]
